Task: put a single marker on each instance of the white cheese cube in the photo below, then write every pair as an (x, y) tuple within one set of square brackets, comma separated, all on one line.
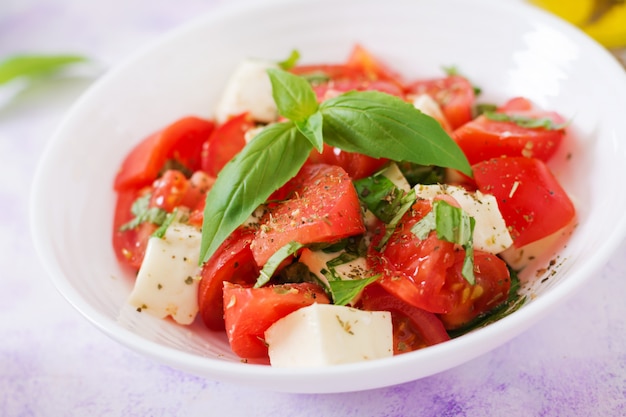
[(490, 232), (427, 105), (326, 334), (248, 90), (167, 282)]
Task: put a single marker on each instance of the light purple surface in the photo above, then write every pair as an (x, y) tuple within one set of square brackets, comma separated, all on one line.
[(53, 362)]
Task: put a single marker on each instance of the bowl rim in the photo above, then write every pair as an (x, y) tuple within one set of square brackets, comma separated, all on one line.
[(502, 330)]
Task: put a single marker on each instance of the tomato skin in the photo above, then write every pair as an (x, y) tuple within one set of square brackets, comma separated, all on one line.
[(454, 94), (226, 141), (531, 200), (413, 328), (232, 262), (324, 208), (361, 72), (181, 140), (482, 138), (249, 312), (412, 269), (355, 164), (493, 282), (129, 245)]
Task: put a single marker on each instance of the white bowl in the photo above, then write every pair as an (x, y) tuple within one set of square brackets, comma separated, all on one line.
[(506, 48)]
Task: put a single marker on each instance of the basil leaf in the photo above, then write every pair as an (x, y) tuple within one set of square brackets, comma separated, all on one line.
[(35, 65), (293, 95), (274, 261), (311, 128), (344, 291), (291, 61), (525, 121), (426, 225), (266, 163), (385, 126)]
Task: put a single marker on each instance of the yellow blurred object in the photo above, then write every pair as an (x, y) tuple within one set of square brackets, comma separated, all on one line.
[(603, 20)]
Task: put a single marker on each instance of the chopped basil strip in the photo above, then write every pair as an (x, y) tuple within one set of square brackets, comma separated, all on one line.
[(144, 213), (291, 60), (344, 291), (454, 225), (524, 121), (274, 261), (385, 200), (160, 232)]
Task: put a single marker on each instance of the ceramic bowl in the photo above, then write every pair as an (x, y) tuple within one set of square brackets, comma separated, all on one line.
[(507, 48)]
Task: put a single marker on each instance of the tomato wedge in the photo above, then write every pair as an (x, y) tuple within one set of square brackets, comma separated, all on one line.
[(493, 282), (232, 262), (324, 207), (483, 138), (129, 245), (413, 328), (182, 141), (355, 164), (533, 203), (225, 142), (455, 95), (249, 312)]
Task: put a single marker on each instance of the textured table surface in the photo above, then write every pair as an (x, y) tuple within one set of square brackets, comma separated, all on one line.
[(54, 363)]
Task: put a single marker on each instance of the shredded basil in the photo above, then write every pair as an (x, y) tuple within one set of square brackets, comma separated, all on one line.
[(344, 291), (525, 121), (274, 262), (144, 213), (291, 60)]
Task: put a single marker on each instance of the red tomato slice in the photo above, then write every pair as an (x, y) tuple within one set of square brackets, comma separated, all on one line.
[(182, 140), (516, 104), (415, 270), (129, 245), (324, 208), (454, 94), (249, 312), (355, 164), (364, 61), (483, 139), (413, 328), (532, 202), (493, 282), (225, 142), (232, 262)]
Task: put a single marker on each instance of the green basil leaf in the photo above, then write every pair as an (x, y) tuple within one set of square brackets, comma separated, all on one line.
[(274, 262), (265, 164), (385, 126), (293, 95), (291, 60), (35, 65), (344, 291), (311, 128)]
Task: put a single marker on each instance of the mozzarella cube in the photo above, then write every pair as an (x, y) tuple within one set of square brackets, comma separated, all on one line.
[(167, 282), (490, 231), (248, 90), (327, 334)]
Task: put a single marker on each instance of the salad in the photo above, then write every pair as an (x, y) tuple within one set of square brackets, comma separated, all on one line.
[(334, 213)]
